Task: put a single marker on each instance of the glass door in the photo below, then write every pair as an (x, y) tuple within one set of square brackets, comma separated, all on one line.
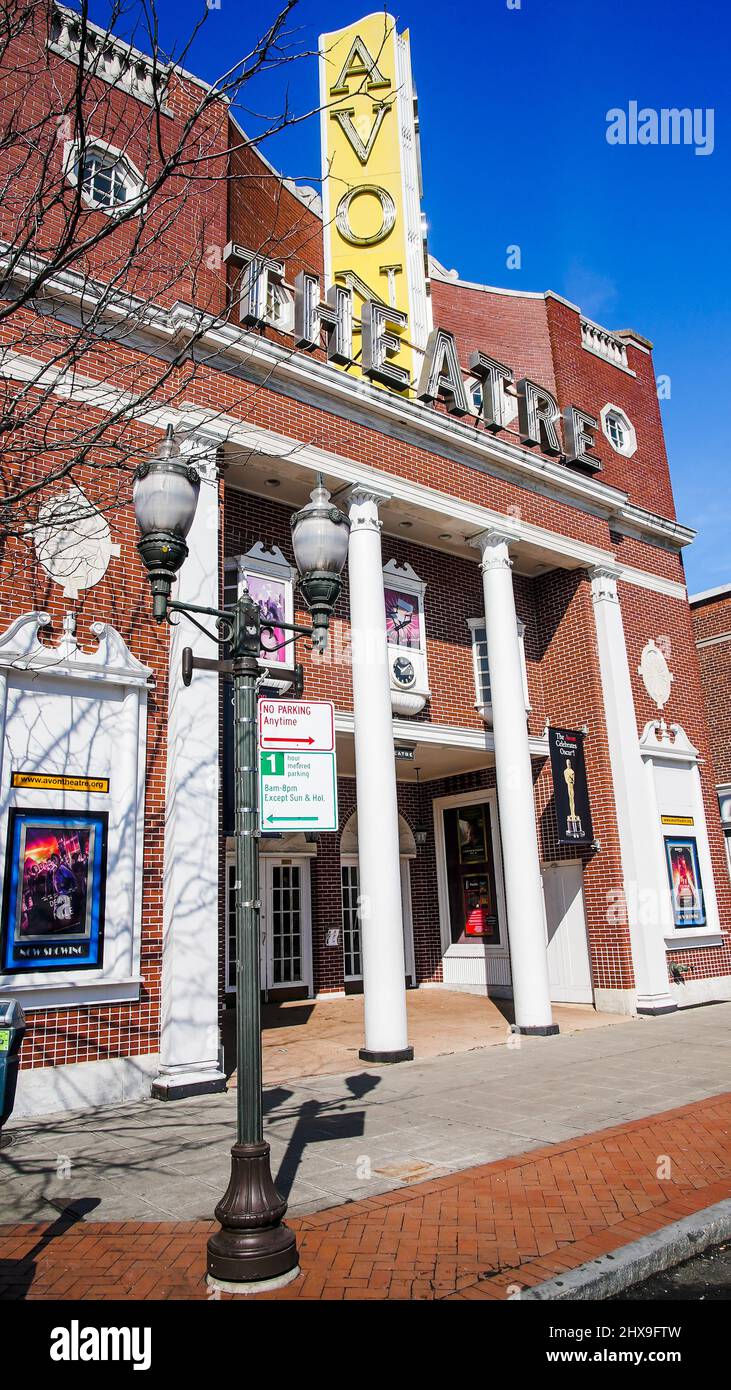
[(286, 922), (286, 925)]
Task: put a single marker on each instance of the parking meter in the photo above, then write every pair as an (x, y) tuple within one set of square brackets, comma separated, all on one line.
[(12, 1032)]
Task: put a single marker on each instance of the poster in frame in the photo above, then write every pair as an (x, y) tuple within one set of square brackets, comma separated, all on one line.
[(403, 619), (270, 594), (54, 895), (471, 834), (684, 873)]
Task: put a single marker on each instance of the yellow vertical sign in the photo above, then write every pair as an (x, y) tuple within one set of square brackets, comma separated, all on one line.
[(369, 159)]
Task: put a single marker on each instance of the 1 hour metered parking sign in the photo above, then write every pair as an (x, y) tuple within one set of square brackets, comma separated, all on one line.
[(297, 771)]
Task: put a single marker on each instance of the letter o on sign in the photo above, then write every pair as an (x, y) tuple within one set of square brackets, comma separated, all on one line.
[(388, 210)]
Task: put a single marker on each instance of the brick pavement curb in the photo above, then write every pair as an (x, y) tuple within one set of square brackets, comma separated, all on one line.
[(632, 1263)]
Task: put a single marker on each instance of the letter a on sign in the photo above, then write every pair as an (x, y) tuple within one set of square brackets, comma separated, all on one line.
[(359, 64)]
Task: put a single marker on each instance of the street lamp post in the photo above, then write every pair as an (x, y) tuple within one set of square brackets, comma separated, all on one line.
[(253, 1248)]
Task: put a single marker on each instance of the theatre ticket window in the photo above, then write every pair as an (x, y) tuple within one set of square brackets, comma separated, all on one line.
[(472, 890)]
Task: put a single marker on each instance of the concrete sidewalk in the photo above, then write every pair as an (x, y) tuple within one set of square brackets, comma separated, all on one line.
[(338, 1139)]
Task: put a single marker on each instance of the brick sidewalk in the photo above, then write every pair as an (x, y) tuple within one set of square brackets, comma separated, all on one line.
[(470, 1235)]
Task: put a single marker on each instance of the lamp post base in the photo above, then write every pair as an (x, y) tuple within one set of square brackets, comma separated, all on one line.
[(253, 1245)]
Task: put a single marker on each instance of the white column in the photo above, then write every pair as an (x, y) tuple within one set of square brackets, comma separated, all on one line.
[(189, 1030), (645, 883), (382, 937), (516, 806)]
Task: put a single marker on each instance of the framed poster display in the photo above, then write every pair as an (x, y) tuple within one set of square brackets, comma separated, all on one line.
[(55, 879), (681, 853)]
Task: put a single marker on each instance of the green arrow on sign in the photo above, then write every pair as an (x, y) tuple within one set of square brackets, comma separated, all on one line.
[(271, 818)]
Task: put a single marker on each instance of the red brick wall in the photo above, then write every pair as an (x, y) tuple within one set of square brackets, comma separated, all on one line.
[(265, 216), (170, 243), (586, 380), (541, 338), (122, 598), (712, 618)]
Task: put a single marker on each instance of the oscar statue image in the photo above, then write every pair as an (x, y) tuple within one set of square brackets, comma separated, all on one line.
[(573, 823)]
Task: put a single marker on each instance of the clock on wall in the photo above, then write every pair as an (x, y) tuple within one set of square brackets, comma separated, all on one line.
[(403, 672)]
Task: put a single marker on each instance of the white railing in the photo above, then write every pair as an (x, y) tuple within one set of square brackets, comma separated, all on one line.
[(108, 58), (604, 344)]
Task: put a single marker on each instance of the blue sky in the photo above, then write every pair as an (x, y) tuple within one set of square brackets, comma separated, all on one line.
[(513, 105)]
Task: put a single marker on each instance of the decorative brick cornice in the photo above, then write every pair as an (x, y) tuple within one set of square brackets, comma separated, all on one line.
[(109, 58)]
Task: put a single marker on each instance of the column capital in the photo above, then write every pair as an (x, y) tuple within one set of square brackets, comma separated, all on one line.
[(604, 584), (494, 547), (364, 500), (203, 452)]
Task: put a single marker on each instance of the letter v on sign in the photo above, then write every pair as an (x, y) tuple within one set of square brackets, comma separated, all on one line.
[(345, 121)]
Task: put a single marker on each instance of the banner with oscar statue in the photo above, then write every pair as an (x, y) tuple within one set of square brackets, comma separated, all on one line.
[(570, 790)]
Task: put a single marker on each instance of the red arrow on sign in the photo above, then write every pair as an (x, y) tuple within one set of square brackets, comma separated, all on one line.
[(269, 739)]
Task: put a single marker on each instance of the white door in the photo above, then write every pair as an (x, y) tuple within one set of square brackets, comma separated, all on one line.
[(569, 971), (286, 925), (350, 889)]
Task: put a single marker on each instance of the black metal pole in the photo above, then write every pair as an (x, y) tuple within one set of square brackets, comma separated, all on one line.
[(253, 1245)]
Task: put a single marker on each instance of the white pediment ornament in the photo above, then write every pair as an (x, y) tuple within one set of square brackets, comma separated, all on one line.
[(72, 541), (655, 672), (667, 742), (111, 660)]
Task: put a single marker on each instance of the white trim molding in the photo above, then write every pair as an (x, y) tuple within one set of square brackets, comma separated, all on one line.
[(64, 710)]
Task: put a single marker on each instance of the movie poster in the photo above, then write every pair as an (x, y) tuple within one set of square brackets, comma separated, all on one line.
[(53, 908), (685, 881), (271, 596), (471, 835), (479, 912), (402, 619)]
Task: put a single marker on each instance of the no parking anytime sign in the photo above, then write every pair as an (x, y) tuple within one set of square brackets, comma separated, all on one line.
[(297, 769)]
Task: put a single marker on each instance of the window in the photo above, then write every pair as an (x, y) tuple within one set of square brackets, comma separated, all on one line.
[(483, 693), (280, 307), (617, 434), (482, 669), (724, 803), (105, 181), (351, 921), (619, 430), (108, 179), (468, 846)]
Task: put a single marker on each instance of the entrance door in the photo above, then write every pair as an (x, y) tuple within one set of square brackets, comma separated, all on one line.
[(569, 971), (350, 888), (286, 954)]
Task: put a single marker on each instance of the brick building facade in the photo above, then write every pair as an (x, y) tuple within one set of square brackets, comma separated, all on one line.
[(711, 613), (536, 586)]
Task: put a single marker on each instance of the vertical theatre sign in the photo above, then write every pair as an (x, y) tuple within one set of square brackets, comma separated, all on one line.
[(374, 244), (374, 310), (570, 790)]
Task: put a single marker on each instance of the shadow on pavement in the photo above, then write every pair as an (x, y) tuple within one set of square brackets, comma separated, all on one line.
[(16, 1276)]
